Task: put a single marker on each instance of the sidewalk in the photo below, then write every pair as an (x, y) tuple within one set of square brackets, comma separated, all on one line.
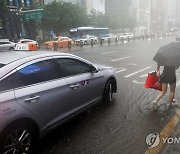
[(172, 146)]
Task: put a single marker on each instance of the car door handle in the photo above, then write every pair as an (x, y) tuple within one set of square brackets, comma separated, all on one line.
[(74, 86), (33, 98)]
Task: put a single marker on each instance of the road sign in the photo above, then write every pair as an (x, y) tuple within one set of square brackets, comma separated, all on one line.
[(33, 14)]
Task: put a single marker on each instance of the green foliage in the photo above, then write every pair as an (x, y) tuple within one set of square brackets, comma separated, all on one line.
[(97, 19), (3, 8), (60, 17)]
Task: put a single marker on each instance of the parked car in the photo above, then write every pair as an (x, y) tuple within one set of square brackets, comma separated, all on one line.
[(40, 91), (86, 39), (61, 42), (5, 45)]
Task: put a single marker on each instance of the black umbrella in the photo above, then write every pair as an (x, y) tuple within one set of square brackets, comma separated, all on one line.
[(168, 55)]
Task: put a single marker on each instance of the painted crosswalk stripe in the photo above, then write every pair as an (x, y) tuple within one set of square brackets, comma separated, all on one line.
[(104, 53), (137, 72), (118, 70), (145, 75), (178, 83), (121, 58)]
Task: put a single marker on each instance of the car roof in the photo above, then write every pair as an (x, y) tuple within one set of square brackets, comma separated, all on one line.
[(26, 40), (10, 56), (12, 59)]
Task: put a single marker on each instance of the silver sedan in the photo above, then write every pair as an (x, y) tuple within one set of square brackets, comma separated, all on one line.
[(39, 91), (6, 45)]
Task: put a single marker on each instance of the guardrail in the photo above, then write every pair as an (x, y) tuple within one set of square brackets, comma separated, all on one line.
[(113, 41)]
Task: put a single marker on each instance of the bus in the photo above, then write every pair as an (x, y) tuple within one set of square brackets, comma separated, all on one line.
[(77, 33)]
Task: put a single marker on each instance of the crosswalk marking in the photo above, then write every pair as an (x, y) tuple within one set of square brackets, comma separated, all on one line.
[(121, 58), (137, 72), (144, 75), (118, 70), (178, 83), (132, 64), (104, 53)]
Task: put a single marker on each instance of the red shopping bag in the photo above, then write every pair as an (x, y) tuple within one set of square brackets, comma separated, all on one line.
[(152, 81)]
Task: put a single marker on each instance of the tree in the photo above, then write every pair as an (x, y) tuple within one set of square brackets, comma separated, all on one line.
[(97, 19), (61, 16), (3, 8)]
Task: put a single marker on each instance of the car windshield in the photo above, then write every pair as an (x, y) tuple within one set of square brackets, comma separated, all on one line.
[(55, 39), (84, 37)]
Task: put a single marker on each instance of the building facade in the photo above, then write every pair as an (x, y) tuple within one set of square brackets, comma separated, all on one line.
[(177, 16), (163, 13)]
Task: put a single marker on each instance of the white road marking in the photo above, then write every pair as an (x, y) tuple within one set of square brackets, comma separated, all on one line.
[(137, 72), (132, 64), (104, 53), (144, 75), (178, 83), (121, 58), (118, 70), (135, 81)]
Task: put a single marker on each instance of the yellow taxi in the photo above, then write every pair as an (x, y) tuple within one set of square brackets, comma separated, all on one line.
[(62, 42)]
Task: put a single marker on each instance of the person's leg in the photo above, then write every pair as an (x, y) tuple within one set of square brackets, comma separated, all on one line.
[(172, 92), (163, 92), (160, 95)]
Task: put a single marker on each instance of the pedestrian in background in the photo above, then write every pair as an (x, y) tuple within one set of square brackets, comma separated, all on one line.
[(39, 43), (55, 46), (168, 77)]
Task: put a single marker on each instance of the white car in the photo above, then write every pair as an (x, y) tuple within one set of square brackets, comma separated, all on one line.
[(5, 45), (126, 36), (28, 41), (112, 38), (86, 39)]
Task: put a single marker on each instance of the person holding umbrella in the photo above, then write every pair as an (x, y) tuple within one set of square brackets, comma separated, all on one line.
[(167, 56)]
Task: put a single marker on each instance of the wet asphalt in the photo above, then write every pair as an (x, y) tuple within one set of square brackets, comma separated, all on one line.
[(122, 126)]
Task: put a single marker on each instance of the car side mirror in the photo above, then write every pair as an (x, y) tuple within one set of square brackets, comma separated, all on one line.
[(93, 69)]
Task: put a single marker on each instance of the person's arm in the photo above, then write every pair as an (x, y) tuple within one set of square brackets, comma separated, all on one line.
[(158, 67), (158, 70)]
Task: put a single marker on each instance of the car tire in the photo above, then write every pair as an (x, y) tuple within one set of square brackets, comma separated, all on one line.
[(19, 137), (11, 49), (108, 92)]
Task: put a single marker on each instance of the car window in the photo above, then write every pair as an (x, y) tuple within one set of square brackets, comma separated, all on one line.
[(72, 67), (4, 43), (7, 83), (1, 65), (36, 73)]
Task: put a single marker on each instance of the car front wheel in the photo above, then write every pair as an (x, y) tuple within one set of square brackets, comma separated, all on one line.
[(11, 49), (17, 139), (108, 92)]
